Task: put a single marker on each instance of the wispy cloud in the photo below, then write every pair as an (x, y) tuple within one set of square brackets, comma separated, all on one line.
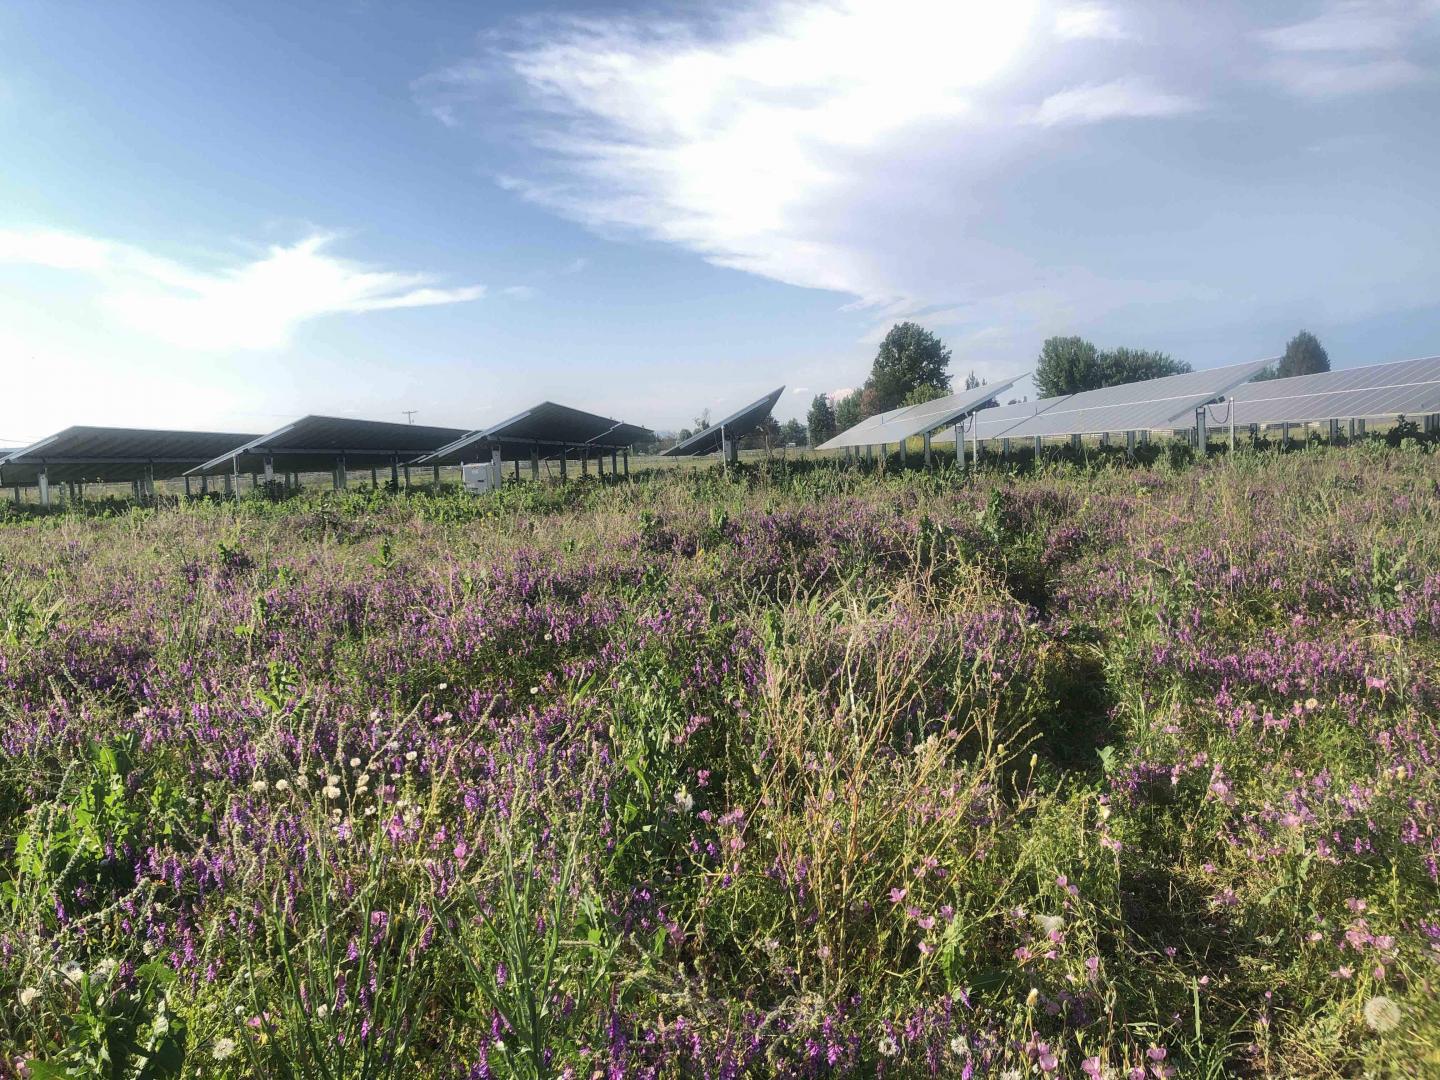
[(1121, 98), (246, 304), (1095, 22), (519, 292), (1351, 47)]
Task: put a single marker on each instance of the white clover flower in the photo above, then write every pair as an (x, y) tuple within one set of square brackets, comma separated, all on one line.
[(411, 755), (28, 997), (442, 686), (959, 1047), (332, 780), (223, 1048), (104, 969), (322, 1011), (354, 762), (887, 1046), (1032, 997), (332, 792), (684, 800), (282, 785), (1382, 1014), (260, 785), (72, 971)]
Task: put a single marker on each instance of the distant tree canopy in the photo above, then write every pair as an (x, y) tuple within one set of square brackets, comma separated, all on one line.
[(793, 432), (703, 420), (910, 366), (922, 394), (1069, 365), (909, 357), (820, 423), (847, 411), (972, 382), (1304, 355)]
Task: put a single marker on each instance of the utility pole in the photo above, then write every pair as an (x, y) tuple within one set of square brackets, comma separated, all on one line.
[(410, 414)]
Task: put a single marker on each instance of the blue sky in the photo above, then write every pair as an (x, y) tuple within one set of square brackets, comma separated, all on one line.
[(223, 216)]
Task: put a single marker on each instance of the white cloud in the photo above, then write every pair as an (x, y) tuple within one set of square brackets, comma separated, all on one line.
[(1351, 47), (254, 304), (1322, 80), (519, 292), (1119, 99), (1350, 26), (1094, 22)]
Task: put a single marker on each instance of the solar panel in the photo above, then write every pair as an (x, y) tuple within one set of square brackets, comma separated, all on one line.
[(899, 424), (318, 443), (994, 421), (111, 455), (550, 428), (1148, 405), (1411, 387), (736, 426)]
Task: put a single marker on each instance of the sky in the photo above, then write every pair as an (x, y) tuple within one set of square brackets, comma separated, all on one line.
[(224, 216)]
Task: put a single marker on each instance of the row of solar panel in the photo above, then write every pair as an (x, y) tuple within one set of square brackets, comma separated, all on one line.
[(1410, 387), (548, 430), (319, 443)]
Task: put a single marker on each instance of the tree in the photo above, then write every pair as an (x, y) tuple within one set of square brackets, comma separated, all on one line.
[(821, 420), (910, 356), (703, 420), (922, 394), (1070, 365), (793, 432), (1303, 356), (972, 383), (685, 433), (1067, 365), (1136, 365), (847, 411)]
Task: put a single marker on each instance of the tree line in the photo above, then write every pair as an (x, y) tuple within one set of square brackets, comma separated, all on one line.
[(912, 366)]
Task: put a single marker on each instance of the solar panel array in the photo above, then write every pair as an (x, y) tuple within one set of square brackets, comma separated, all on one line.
[(735, 426), (112, 455), (900, 424), (317, 443), (1409, 387), (552, 429)]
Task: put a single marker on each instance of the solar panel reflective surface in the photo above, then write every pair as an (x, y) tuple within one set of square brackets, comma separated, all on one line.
[(1148, 405), (1411, 387), (316, 443), (554, 429), (994, 422), (737, 425), (104, 454), (899, 424)]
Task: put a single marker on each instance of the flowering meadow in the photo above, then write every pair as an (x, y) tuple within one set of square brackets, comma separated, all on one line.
[(791, 771)]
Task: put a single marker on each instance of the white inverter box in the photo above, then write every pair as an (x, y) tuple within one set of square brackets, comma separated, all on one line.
[(480, 477)]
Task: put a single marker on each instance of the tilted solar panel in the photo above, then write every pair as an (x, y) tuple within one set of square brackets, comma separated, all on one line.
[(1408, 387), (89, 454), (737, 425), (317, 443), (899, 424), (552, 429), (1150, 404)]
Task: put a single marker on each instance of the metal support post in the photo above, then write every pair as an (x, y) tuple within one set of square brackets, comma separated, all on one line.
[(407, 479), (1038, 443), (904, 455), (1130, 444), (600, 466), (614, 462), (564, 455), (374, 478), (1075, 442), (535, 462), (187, 487), (1334, 430), (627, 463), (1285, 434), (394, 473), (927, 450), (584, 462)]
